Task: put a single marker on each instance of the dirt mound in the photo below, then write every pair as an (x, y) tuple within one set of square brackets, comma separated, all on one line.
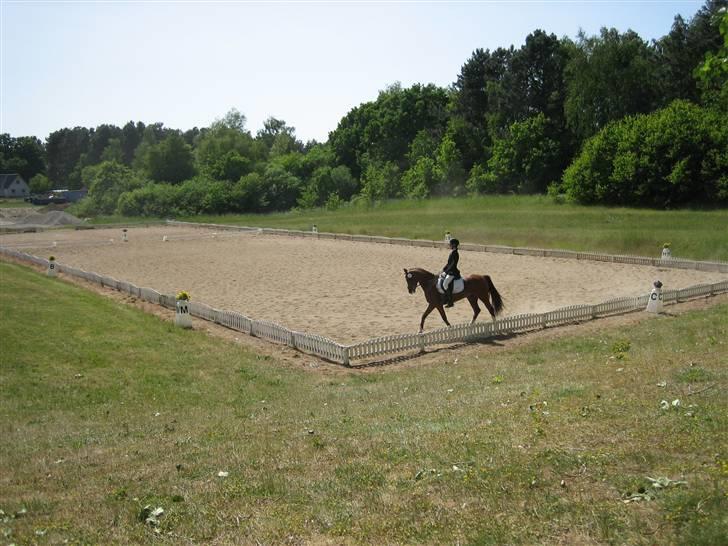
[(32, 218)]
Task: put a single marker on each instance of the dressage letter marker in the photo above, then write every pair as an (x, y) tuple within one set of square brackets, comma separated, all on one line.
[(182, 316), (654, 304)]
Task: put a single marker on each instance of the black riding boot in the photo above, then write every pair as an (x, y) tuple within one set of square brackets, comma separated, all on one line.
[(448, 296)]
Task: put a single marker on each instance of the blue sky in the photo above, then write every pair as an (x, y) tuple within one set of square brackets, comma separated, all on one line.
[(187, 63)]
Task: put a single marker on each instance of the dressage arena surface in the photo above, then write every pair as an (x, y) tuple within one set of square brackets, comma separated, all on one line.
[(347, 291)]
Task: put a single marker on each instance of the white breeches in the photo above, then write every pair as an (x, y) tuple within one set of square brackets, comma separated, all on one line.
[(447, 281)]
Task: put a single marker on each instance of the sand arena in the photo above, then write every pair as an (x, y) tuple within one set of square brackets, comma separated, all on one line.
[(348, 291)]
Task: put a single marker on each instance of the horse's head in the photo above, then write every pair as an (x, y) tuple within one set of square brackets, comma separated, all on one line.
[(411, 281)]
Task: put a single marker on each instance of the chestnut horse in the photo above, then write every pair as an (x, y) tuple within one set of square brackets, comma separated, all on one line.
[(477, 287)]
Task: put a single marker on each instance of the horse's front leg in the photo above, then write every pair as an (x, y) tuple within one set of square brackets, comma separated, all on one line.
[(424, 316), (442, 313)]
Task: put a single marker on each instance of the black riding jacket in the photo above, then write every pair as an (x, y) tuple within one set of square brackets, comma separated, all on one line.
[(452, 264)]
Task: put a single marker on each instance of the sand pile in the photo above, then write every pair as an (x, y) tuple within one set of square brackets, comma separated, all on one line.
[(27, 218)]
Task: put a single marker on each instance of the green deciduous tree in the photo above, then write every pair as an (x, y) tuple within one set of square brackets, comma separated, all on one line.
[(608, 77), (227, 151), (156, 200), (420, 179), (169, 161), (326, 181), (248, 194), (99, 140), (683, 49), (40, 183), (381, 180), (526, 160), (106, 182), (282, 189), (278, 138), (381, 131), (113, 151), (712, 73), (671, 157), (22, 155), (449, 168)]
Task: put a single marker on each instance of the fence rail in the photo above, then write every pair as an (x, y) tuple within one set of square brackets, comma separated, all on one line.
[(386, 345)]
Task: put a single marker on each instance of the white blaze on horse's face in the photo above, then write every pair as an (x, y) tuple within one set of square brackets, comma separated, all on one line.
[(411, 282)]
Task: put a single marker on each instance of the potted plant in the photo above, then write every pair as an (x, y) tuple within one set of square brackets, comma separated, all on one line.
[(182, 316), (666, 252), (123, 235)]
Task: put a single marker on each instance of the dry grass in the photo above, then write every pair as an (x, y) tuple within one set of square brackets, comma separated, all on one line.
[(107, 410)]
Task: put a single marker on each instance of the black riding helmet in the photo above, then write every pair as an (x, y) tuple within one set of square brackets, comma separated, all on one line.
[(454, 242)]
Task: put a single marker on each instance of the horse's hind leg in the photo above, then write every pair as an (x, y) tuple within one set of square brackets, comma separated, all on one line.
[(485, 299), (474, 304)]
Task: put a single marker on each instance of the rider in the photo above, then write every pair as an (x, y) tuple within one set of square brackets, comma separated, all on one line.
[(451, 271)]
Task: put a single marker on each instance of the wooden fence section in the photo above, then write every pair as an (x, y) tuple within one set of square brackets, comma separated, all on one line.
[(387, 345)]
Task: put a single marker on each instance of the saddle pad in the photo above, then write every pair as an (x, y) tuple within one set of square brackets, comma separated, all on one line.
[(457, 287)]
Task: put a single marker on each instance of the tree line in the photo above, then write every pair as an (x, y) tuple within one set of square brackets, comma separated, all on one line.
[(606, 119)]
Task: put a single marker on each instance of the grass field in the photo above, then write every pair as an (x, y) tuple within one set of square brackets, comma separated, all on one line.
[(534, 221), (6, 203), (106, 410)]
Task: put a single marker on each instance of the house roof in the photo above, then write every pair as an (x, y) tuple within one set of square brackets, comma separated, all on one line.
[(7, 179)]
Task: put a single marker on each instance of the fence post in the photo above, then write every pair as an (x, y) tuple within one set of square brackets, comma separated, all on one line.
[(345, 357), (421, 341)]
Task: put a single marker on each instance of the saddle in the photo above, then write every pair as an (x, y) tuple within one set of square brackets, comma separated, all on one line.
[(458, 285)]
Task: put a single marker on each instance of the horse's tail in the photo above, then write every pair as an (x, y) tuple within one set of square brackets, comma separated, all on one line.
[(495, 296)]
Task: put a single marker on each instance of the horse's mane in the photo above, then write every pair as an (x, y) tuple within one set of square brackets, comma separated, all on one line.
[(421, 271)]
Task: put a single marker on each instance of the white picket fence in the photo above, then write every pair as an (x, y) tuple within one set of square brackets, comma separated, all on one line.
[(387, 345)]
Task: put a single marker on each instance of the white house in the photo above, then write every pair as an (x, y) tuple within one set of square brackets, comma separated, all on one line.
[(13, 185)]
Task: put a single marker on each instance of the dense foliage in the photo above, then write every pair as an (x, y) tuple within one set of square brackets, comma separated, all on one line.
[(674, 156), (607, 119)]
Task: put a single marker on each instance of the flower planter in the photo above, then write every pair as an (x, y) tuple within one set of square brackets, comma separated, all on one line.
[(52, 270)]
